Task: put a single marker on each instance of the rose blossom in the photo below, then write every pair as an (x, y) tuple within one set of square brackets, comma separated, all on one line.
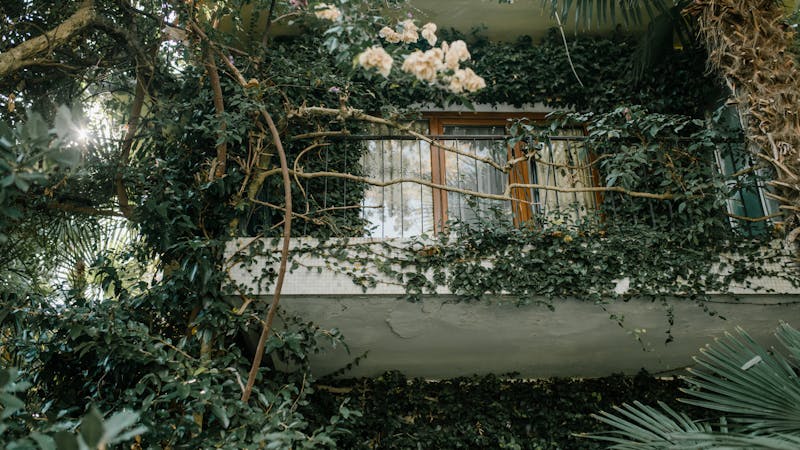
[(376, 57)]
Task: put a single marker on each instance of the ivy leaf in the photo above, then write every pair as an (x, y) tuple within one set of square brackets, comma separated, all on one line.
[(221, 414)]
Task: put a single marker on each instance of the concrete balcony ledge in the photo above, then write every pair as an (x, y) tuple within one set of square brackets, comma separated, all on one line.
[(441, 337)]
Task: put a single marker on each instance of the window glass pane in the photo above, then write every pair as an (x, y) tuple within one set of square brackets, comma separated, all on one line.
[(402, 209), (746, 197), (562, 162), (470, 174)]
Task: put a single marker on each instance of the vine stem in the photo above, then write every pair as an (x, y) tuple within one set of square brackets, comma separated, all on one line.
[(287, 229), (566, 49), (266, 325), (504, 196), (357, 114)]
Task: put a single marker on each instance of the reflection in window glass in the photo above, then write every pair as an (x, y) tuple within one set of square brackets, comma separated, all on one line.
[(470, 174), (562, 162), (403, 209)]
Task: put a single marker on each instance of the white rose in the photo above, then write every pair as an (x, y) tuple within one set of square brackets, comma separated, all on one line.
[(429, 33), (455, 53), (472, 82), (327, 12), (389, 35), (377, 58)]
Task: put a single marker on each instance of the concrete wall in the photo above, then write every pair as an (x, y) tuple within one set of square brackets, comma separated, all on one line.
[(439, 337)]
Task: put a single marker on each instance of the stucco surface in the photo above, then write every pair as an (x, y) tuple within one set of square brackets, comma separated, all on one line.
[(444, 337)]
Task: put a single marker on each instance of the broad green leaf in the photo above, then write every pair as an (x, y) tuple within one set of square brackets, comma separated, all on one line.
[(92, 429), (66, 441)]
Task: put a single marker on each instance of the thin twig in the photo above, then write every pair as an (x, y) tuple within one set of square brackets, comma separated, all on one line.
[(566, 48), (754, 219)]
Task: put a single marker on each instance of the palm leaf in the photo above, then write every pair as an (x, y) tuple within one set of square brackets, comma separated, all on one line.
[(743, 441), (789, 338), (593, 12), (639, 426), (756, 387)]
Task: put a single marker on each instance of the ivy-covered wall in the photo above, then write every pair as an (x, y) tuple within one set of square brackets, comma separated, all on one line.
[(528, 73), (521, 73)]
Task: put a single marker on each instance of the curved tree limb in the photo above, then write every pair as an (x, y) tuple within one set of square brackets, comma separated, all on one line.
[(287, 230), (25, 54)]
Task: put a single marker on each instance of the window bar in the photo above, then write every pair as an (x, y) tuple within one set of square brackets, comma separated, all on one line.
[(459, 184), (421, 189), (383, 190), (547, 168), (325, 183), (741, 191), (402, 199), (345, 202), (573, 174), (534, 179), (478, 201), (552, 169), (364, 196)]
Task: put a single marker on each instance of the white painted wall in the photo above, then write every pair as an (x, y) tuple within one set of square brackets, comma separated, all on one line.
[(440, 337)]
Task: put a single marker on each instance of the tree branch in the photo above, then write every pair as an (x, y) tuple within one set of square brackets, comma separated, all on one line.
[(506, 195), (69, 207), (219, 108), (356, 114), (287, 231), (24, 54)]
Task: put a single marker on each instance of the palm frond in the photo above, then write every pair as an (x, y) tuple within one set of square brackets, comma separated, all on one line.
[(589, 13), (758, 390), (754, 386), (639, 426), (742, 441), (789, 338)]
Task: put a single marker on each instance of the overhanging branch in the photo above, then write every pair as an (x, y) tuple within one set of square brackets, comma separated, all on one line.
[(24, 54)]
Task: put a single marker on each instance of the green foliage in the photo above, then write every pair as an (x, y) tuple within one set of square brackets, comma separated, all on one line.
[(527, 73), (23, 430), (159, 335), (756, 389), (481, 412), (680, 246), (30, 154)]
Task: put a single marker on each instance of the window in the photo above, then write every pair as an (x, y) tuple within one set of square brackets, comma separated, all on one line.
[(409, 209)]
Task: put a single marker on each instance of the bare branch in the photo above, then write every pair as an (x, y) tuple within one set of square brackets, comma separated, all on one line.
[(755, 219), (356, 114), (69, 207), (506, 195)]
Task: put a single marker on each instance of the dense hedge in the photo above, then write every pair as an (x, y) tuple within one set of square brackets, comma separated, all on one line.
[(483, 412)]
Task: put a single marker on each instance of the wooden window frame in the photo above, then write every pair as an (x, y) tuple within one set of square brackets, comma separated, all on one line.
[(520, 206)]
